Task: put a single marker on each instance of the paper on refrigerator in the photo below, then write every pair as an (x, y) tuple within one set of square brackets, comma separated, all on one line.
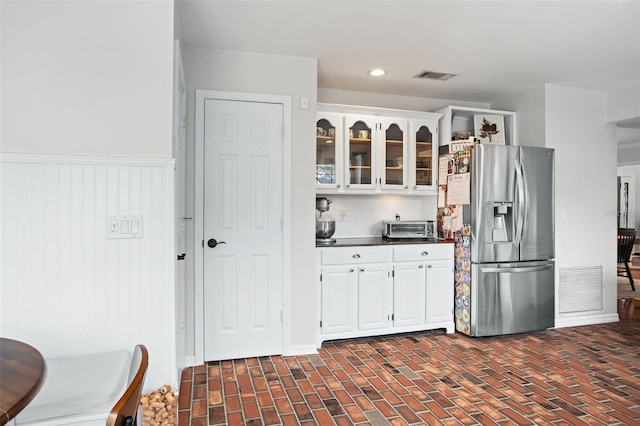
[(458, 189)]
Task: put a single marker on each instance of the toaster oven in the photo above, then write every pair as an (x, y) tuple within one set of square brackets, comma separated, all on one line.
[(409, 229)]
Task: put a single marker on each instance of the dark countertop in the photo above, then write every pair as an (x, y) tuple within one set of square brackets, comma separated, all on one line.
[(380, 241)]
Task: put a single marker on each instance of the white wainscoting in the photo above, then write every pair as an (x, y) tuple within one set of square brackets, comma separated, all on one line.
[(68, 290)]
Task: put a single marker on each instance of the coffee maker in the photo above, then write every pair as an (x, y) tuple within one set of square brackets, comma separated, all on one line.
[(325, 225)]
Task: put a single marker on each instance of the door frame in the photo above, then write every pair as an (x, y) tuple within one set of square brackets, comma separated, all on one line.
[(179, 154), (631, 179), (201, 96)]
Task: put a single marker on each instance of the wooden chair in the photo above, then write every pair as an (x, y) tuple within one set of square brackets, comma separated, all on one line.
[(125, 411), (626, 239)]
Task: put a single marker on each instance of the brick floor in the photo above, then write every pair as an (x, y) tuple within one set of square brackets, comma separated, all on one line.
[(587, 375)]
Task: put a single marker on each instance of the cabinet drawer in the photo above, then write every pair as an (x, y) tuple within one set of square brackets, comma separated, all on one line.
[(421, 252), (355, 255)]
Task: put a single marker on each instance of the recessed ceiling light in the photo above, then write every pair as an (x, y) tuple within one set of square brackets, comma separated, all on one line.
[(377, 72)]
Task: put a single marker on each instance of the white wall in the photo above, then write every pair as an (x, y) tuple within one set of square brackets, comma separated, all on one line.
[(365, 213), (276, 75), (585, 184), (88, 85), (623, 103), (87, 78), (66, 288), (380, 100), (529, 107), (628, 146)]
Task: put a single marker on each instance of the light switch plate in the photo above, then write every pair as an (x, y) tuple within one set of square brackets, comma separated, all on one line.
[(124, 227)]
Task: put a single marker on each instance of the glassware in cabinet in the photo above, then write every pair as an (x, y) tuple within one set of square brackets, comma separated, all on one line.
[(423, 158), (360, 153), (394, 154), (329, 151)]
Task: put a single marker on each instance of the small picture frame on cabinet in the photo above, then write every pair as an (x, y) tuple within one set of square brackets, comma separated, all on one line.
[(489, 129)]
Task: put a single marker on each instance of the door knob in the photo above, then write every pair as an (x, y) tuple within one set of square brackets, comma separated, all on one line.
[(212, 242)]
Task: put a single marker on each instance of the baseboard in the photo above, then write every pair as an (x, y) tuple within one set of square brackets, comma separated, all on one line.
[(586, 320), (190, 361), (302, 350)]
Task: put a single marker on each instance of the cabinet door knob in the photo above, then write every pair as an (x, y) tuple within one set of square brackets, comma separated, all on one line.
[(351, 270), (429, 266), (415, 186), (361, 269), (338, 186), (425, 253), (420, 266), (347, 185), (356, 256), (406, 186)]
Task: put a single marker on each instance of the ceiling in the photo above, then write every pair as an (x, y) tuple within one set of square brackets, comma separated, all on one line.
[(496, 48)]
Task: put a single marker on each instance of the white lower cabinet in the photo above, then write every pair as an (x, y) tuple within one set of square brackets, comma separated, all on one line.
[(375, 290), (409, 305), (339, 293), (440, 298), (374, 309)]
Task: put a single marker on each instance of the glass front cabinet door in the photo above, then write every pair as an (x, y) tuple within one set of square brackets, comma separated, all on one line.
[(361, 156), (329, 151), (376, 153), (423, 158), (394, 149)]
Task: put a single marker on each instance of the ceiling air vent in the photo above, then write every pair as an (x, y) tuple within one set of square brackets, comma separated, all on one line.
[(433, 75)]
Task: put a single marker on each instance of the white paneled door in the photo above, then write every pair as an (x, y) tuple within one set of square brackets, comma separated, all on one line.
[(243, 239)]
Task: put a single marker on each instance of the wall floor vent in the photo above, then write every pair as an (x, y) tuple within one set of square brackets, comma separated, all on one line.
[(581, 289)]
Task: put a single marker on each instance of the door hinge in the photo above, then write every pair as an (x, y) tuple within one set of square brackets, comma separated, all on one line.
[(320, 277), (393, 274), (202, 243), (393, 317), (320, 323)]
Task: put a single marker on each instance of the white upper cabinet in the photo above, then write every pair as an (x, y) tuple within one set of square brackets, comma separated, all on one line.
[(457, 121), (384, 151), (376, 153), (329, 151), (361, 153), (394, 154), (423, 155)]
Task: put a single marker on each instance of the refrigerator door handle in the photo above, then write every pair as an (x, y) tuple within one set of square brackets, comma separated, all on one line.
[(517, 270), (522, 201)]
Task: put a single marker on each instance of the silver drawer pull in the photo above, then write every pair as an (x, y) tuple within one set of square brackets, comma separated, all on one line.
[(425, 253), (356, 256)]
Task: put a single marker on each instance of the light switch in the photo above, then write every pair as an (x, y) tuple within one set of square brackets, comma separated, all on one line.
[(113, 227), (124, 226)]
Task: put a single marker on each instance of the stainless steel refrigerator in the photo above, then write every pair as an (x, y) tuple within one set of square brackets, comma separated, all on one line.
[(505, 249)]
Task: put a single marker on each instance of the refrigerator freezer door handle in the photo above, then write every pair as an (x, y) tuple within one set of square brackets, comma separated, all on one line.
[(520, 188), (517, 270)]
